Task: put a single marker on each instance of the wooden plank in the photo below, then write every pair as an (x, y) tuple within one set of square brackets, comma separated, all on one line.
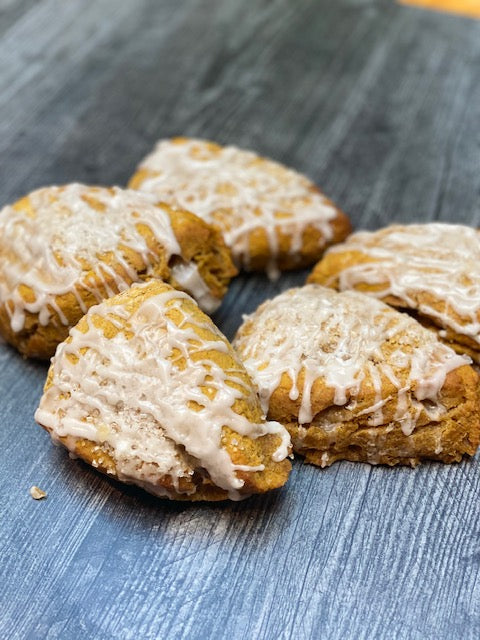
[(380, 104)]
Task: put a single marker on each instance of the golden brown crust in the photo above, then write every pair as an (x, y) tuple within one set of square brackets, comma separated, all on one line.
[(428, 307), (448, 439), (312, 246), (196, 485), (373, 387), (40, 341), (200, 244), (260, 255), (204, 245), (460, 343)]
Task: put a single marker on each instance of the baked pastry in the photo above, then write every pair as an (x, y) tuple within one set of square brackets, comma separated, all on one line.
[(63, 249), (147, 389), (351, 378), (271, 217), (431, 270)]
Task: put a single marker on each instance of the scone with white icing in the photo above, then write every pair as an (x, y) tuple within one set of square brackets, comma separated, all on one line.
[(351, 378), (147, 390), (430, 270), (271, 217), (63, 249)]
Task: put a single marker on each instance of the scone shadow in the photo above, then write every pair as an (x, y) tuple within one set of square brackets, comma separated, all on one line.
[(126, 498)]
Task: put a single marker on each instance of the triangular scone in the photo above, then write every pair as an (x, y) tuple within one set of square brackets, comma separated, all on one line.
[(271, 217), (63, 249), (433, 270), (148, 390), (351, 378)]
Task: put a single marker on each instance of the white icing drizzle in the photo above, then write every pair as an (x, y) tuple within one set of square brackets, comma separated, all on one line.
[(339, 338), (188, 277), (439, 260), (238, 191), (128, 394), (62, 222)]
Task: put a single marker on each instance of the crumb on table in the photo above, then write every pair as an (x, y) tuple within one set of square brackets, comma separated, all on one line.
[(37, 493)]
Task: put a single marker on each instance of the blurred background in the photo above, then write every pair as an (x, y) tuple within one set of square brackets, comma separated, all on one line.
[(378, 102)]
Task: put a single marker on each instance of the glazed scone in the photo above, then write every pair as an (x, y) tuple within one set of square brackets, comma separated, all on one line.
[(63, 249), (431, 270), (271, 217), (351, 378), (147, 389)]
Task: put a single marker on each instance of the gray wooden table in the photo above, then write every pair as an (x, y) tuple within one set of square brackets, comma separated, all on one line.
[(380, 104)]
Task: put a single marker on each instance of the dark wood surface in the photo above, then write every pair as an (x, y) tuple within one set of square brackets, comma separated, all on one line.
[(380, 104)]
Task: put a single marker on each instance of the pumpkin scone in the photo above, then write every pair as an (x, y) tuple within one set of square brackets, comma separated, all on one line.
[(431, 270), (147, 390), (63, 249), (352, 378), (271, 217)]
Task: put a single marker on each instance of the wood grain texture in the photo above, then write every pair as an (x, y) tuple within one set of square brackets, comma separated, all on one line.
[(380, 104)]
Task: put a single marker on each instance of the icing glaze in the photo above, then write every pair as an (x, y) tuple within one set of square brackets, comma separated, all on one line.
[(186, 274), (422, 265), (340, 338), (54, 237), (132, 394), (238, 191)]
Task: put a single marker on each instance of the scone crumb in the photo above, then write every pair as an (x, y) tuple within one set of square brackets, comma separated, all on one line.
[(37, 493)]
